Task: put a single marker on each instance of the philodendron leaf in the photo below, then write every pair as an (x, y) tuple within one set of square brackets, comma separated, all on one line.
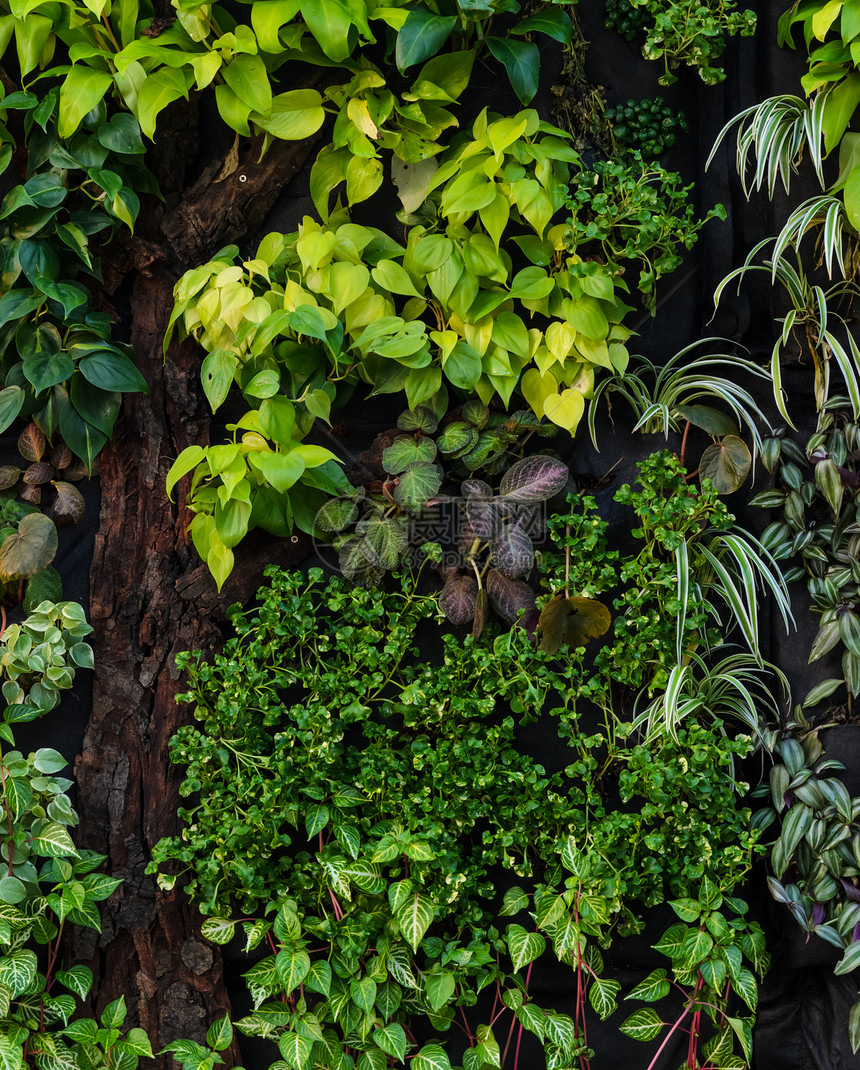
[(574, 621), (406, 450), (726, 464), (457, 600), (30, 550), (711, 420), (69, 505), (508, 597), (534, 479), (417, 484)]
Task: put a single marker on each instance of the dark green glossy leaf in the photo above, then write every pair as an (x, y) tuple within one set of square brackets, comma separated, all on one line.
[(94, 405), (112, 371), (421, 36), (521, 59)]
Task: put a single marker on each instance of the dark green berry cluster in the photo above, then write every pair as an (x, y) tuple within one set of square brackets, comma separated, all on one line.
[(649, 125), (626, 19)]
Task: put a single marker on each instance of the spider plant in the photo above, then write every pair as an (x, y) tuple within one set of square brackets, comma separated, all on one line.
[(667, 398), (811, 312), (777, 131), (828, 212), (729, 569), (734, 687)]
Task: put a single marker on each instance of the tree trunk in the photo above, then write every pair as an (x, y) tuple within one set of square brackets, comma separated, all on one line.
[(150, 599)]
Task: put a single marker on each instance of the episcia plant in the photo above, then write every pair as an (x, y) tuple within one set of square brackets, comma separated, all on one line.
[(483, 541), (356, 810)]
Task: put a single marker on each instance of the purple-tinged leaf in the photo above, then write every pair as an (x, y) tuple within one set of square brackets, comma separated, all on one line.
[(534, 479), (31, 495), (513, 551), (61, 456), (484, 520), (38, 474), (458, 598), (727, 464), (475, 488), (509, 597), (33, 547), (851, 893), (69, 505)]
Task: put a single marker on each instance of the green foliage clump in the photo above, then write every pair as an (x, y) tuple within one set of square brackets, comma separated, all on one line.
[(691, 33), (635, 211), (649, 125), (364, 803)]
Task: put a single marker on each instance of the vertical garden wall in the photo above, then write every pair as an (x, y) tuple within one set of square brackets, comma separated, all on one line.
[(497, 364)]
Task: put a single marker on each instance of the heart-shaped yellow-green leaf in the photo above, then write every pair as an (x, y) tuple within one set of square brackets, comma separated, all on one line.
[(565, 409)]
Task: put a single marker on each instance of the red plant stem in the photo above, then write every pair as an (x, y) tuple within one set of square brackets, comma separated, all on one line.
[(684, 442), (495, 998), (508, 1041), (584, 1061), (338, 910), (466, 1028), (520, 1033), (677, 1025)]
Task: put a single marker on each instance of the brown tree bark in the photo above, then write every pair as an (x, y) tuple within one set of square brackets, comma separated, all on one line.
[(150, 599)]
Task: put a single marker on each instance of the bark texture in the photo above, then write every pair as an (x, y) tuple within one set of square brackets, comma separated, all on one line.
[(150, 599)]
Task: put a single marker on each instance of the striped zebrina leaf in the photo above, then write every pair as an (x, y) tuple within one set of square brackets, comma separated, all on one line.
[(524, 947), (414, 918)]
